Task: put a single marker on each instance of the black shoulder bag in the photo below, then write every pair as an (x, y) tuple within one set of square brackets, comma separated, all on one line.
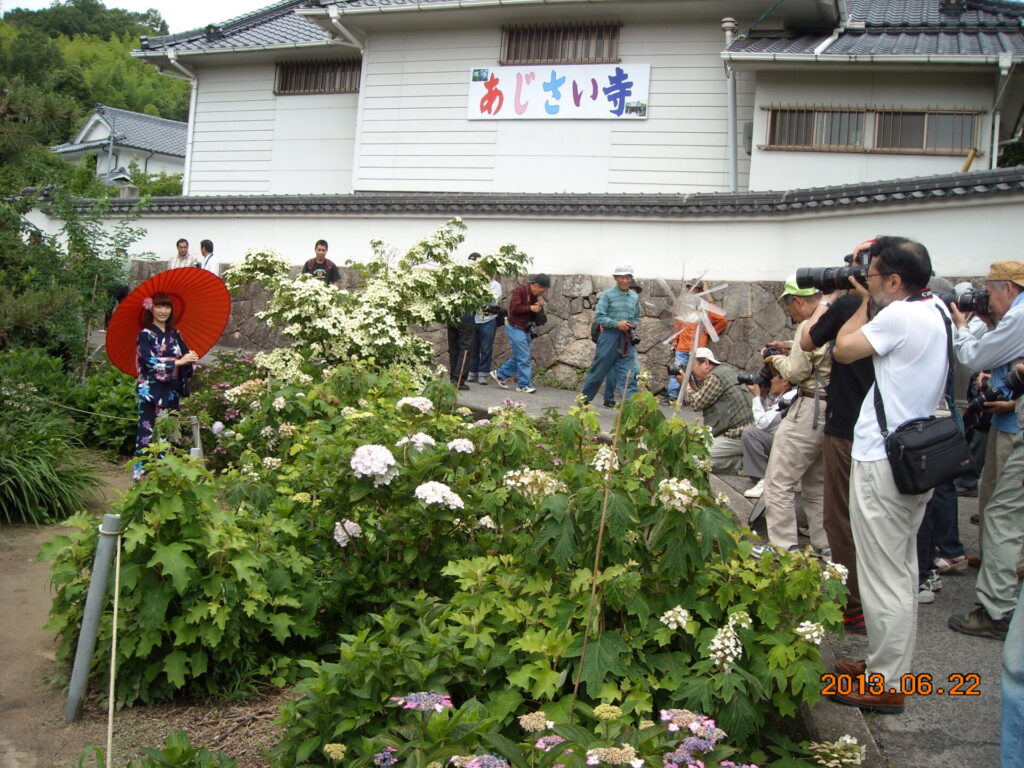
[(924, 453)]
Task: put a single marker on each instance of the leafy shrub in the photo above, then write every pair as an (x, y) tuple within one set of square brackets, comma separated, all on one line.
[(35, 375), (106, 403), (178, 752), (41, 480), (209, 597)]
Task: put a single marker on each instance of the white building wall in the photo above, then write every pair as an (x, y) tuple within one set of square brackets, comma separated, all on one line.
[(246, 140), (783, 169), (728, 249), (414, 134)]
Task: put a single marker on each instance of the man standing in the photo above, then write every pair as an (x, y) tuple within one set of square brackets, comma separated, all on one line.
[(320, 266), (795, 462), (1001, 496), (906, 341), (525, 308), (485, 326), (723, 406), (183, 258), (206, 251), (684, 339), (618, 314)]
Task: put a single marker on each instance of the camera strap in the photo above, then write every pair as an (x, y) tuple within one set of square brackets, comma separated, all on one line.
[(954, 411)]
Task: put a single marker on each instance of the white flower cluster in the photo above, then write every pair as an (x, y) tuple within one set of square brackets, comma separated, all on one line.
[(374, 461), (675, 618), (245, 390), (480, 423), (834, 570), (722, 499), (268, 432), (279, 403), (535, 484), (487, 522), (345, 531), (421, 404), (811, 631), (438, 493), (844, 752), (461, 445), (676, 493), (605, 460), (419, 441), (271, 462), (507, 406), (287, 429), (283, 365), (725, 648)]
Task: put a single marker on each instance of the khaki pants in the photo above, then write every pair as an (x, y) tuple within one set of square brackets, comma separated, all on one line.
[(726, 455), (997, 451), (836, 513), (1002, 532), (796, 462), (885, 524)]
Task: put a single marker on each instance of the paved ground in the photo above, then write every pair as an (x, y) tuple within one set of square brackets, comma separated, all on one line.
[(935, 731)]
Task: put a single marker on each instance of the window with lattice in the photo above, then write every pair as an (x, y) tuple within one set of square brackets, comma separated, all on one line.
[(322, 76), (561, 44)]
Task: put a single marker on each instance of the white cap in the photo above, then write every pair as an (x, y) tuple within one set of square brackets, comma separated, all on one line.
[(703, 353), (623, 269)]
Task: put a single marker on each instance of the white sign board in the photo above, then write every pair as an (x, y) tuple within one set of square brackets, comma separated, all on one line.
[(560, 92)]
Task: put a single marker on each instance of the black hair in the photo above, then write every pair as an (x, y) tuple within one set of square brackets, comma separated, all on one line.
[(206, 245), (159, 299), (321, 242), (180, 241), (903, 257)]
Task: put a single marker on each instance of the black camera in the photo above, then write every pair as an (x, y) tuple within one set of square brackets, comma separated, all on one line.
[(675, 370), (972, 300), (634, 340), (771, 349), (753, 378), (975, 410), (828, 279), (531, 328)]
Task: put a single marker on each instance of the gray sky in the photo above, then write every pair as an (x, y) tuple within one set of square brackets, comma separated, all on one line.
[(181, 15)]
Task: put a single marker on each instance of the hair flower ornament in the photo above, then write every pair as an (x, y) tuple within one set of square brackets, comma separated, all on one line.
[(147, 303)]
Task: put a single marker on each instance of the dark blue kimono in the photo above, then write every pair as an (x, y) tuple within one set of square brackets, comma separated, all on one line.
[(161, 384)]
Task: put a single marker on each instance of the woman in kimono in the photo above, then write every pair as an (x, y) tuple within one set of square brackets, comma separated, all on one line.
[(165, 365)]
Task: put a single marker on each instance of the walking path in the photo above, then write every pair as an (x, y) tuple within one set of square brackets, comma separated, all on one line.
[(935, 730)]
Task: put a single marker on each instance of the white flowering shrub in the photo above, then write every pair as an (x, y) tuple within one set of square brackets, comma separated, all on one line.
[(425, 285)]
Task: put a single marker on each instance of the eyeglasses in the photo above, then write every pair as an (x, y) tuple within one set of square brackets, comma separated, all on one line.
[(873, 274)]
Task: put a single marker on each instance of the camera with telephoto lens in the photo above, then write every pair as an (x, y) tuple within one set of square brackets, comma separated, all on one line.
[(975, 410), (675, 370), (828, 279), (753, 378), (971, 300)]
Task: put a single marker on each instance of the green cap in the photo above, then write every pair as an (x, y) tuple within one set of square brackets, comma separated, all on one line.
[(792, 289)]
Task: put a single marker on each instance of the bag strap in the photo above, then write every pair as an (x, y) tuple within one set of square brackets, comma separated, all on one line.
[(880, 408)]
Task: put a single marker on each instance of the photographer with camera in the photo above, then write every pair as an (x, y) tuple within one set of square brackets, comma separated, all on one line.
[(685, 333), (525, 309), (712, 392), (1001, 495), (618, 315), (906, 340), (772, 397), (795, 461)]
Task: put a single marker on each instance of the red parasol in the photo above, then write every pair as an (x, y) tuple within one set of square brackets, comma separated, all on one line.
[(201, 307)]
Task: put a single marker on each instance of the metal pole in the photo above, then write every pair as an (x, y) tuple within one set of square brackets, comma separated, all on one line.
[(197, 441), (729, 26), (109, 532)]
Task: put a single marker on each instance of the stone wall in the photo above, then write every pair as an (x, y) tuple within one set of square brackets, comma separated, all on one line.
[(563, 351)]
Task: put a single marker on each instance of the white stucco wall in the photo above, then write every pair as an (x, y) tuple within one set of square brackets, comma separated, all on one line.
[(246, 140), (875, 87), (414, 134), (728, 249)]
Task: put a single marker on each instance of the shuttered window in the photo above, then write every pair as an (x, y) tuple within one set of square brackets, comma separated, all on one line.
[(951, 132), (560, 44), (306, 77)]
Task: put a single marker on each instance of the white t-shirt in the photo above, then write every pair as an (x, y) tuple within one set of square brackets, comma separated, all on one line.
[(909, 339), (495, 288)]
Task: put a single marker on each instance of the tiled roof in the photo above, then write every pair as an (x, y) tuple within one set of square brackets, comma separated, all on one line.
[(908, 28), (274, 25), (958, 186), (134, 129)]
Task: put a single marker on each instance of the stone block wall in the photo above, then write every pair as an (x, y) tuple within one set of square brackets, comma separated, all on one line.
[(563, 351)]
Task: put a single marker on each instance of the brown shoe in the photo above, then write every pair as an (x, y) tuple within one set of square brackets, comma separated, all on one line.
[(974, 561), (852, 667), (884, 703)]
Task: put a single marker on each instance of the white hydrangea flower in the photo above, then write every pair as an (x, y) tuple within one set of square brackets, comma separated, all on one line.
[(217, 428), (419, 441), (535, 484), (438, 493), (676, 493), (725, 648), (374, 461), (487, 522), (605, 460), (345, 531), (811, 631), (675, 618), (268, 432), (271, 462), (461, 445), (834, 570), (255, 405), (722, 499), (421, 404), (287, 429)]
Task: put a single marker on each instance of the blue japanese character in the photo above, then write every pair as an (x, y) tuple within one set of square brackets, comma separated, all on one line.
[(553, 86), (618, 90)]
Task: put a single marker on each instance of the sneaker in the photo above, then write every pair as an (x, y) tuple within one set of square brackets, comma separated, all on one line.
[(526, 390), (499, 382), (925, 593), (755, 492), (471, 378), (822, 553), (975, 519), (609, 405), (482, 380), (979, 624), (951, 564)]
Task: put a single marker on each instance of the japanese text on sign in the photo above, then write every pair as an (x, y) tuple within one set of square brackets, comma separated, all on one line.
[(560, 92)]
